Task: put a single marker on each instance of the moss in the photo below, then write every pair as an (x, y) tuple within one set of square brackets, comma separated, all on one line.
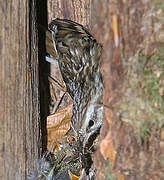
[(161, 159), (142, 102), (158, 4), (143, 134), (108, 173), (153, 82)]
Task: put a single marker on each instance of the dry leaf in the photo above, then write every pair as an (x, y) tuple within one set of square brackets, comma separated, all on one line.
[(58, 124), (108, 151), (107, 148)]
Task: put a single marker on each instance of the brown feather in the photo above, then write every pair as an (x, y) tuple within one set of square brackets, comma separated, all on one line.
[(79, 61)]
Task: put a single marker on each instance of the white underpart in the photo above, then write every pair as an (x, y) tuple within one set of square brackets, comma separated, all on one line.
[(53, 38), (51, 60)]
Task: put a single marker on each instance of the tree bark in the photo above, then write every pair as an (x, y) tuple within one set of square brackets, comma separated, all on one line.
[(19, 97), (134, 151)]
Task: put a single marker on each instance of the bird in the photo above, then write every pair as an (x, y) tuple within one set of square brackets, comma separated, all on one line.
[(79, 55)]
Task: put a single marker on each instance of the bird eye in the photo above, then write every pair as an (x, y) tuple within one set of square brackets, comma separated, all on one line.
[(91, 123)]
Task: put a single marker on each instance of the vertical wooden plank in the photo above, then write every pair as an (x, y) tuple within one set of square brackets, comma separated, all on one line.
[(19, 107), (78, 11)]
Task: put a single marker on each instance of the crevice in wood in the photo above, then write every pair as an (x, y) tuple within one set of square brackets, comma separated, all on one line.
[(44, 70)]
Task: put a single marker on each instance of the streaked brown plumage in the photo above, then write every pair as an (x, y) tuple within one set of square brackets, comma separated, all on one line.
[(78, 55)]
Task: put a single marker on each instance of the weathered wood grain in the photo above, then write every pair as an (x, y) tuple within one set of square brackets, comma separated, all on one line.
[(19, 107)]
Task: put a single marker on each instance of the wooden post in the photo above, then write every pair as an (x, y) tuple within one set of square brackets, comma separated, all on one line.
[(19, 106), (78, 11)]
